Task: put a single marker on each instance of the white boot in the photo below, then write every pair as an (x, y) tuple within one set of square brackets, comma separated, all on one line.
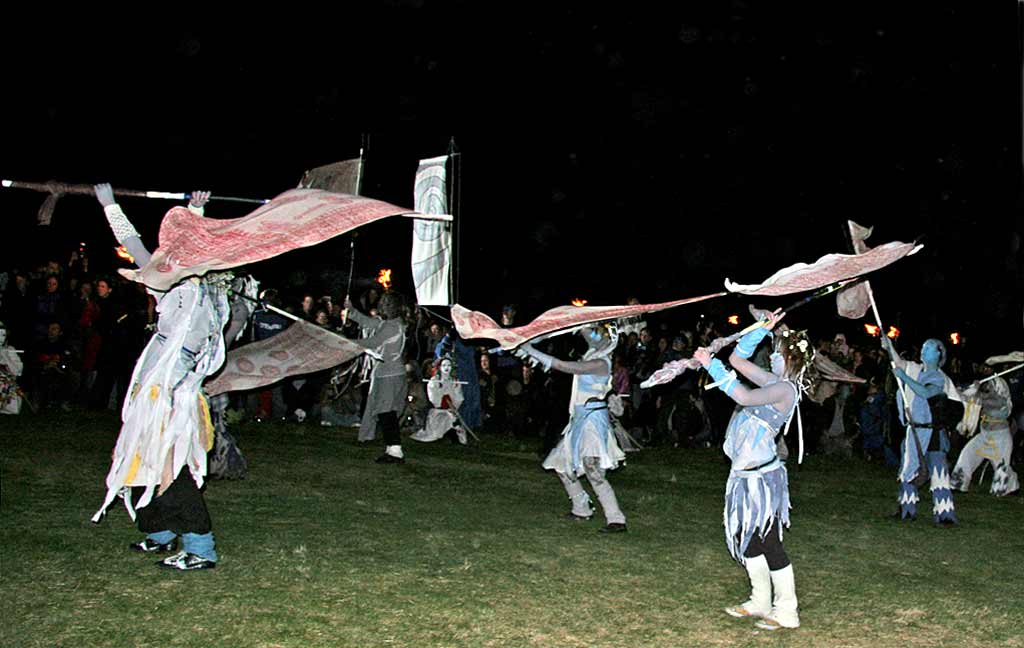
[(760, 602), (783, 614)]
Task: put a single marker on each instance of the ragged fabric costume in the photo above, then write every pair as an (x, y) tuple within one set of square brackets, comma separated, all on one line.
[(993, 443), (757, 492), (166, 430), (388, 386), (920, 416), (588, 445)]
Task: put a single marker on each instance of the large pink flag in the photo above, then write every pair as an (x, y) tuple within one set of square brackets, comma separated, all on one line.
[(194, 245), (301, 348), (853, 303), (474, 324), (826, 271)]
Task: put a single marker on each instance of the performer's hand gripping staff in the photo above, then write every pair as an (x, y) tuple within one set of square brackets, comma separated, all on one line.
[(527, 353), (748, 342)]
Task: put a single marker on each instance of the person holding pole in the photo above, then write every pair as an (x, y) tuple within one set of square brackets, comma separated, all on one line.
[(923, 406), (159, 462), (994, 441), (588, 445), (757, 492), (388, 383)]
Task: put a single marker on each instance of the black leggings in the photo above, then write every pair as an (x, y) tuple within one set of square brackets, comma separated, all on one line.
[(180, 509), (771, 547)]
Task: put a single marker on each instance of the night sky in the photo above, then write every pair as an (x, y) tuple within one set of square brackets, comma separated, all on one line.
[(604, 154)]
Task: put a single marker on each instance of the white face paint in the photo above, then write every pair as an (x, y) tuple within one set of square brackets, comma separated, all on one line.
[(446, 368), (778, 363)]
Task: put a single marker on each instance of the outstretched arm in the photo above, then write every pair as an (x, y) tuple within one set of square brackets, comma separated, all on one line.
[(925, 390), (362, 320), (586, 367), (123, 230)]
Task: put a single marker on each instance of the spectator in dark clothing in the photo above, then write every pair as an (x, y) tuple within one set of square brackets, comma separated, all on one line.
[(50, 307), (54, 370), (17, 312), (109, 328)]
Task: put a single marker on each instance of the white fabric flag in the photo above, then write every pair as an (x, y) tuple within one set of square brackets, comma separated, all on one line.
[(431, 240)]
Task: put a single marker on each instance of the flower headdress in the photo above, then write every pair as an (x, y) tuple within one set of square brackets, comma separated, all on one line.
[(798, 344)]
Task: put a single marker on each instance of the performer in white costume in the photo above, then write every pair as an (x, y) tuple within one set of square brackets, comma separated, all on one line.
[(757, 492), (10, 368), (588, 444), (166, 431), (993, 443), (445, 393)]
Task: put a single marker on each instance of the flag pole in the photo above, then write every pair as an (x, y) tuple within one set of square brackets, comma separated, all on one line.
[(60, 188)]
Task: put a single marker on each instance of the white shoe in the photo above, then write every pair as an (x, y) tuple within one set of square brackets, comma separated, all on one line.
[(760, 602), (784, 603)]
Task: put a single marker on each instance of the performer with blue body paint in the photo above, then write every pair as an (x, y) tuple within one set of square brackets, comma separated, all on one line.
[(588, 445), (757, 492), (924, 399)]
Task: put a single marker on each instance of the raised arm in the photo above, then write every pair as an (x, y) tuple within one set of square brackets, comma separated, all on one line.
[(778, 393), (123, 230), (197, 201), (586, 367), (894, 357), (362, 320), (747, 344)]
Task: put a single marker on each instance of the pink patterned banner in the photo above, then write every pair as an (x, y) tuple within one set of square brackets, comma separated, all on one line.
[(301, 348), (194, 245), (827, 270), (474, 324)]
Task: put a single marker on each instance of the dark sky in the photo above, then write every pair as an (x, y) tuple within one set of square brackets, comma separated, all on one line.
[(603, 153)]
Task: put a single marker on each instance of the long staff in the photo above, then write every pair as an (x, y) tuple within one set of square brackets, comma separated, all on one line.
[(55, 187)]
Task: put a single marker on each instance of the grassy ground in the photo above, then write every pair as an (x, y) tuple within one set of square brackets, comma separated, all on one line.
[(320, 546)]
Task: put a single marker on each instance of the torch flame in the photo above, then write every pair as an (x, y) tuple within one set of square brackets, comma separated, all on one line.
[(954, 337), (734, 320), (579, 302), (893, 332), (384, 278), (122, 252), (871, 329)]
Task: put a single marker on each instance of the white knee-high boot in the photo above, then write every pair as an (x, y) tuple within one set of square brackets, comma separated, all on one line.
[(581, 506), (784, 604), (760, 602)]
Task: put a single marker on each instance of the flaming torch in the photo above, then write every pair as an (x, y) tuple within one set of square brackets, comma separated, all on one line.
[(893, 333), (871, 329), (122, 252), (384, 278), (734, 320), (579, 302), (954, 337)]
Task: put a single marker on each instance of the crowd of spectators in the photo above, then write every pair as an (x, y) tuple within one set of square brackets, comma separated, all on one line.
[(80, 333)]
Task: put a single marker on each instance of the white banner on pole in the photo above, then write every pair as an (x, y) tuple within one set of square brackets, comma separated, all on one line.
[(432, 240)]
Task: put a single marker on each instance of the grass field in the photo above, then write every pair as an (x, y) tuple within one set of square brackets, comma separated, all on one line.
[(320, 546)]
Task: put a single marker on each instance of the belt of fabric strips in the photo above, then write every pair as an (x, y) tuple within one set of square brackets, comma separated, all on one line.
[(774, 461)]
